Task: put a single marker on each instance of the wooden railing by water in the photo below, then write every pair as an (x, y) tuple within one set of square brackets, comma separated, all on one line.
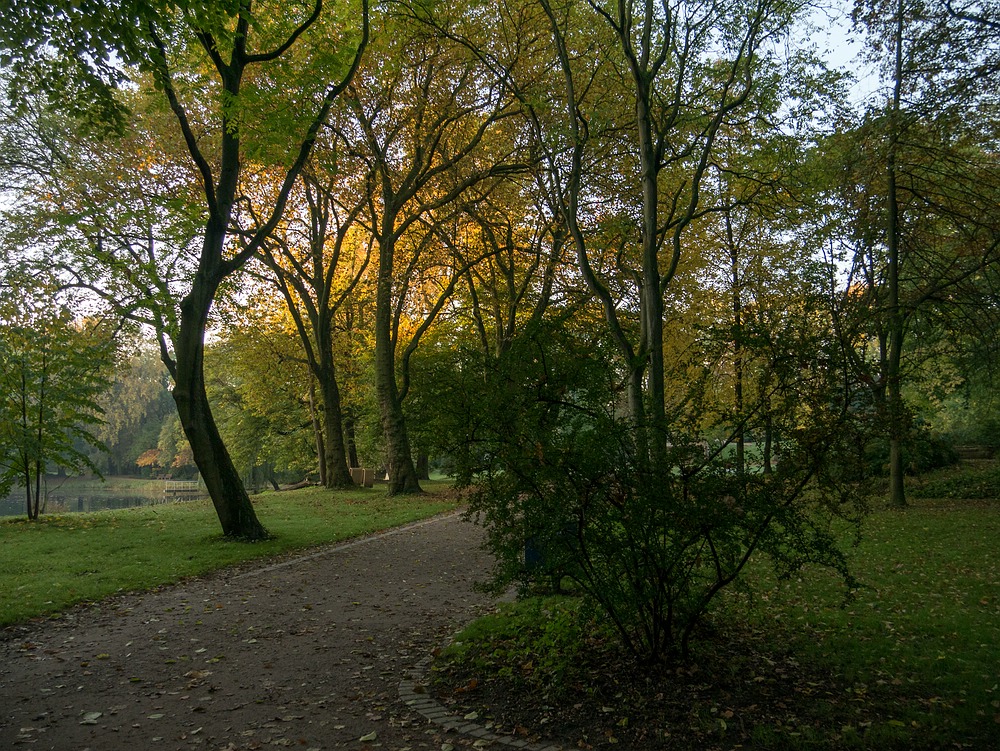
[(181, 490)]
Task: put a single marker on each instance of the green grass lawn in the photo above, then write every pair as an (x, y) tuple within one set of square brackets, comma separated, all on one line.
[(58, 561), (921, 639)]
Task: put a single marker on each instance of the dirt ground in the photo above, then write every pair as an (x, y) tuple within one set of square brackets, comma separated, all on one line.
[(308, 653)]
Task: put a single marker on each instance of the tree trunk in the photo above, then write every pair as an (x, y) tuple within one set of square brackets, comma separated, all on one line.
[(897, 418), (651, 301), (897, 494), (338, 473), (737, 350), (352, 443), (222, 480), (423, 466), (317, 433), (31, 505), (402, 474)]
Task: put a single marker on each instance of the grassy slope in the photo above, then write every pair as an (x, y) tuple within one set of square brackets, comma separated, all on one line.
[(52, 564)]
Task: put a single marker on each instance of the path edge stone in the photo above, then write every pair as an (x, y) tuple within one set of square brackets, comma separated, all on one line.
[(432, 710)]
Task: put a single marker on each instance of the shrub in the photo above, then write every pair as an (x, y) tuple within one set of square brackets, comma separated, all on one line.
[(923, 451), (651, 545), (966, 483)]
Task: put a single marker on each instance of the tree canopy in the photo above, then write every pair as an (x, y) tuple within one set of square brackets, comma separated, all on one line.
[(642, 274)]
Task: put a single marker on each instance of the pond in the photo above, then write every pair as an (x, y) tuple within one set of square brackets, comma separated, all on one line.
[(73, 497)]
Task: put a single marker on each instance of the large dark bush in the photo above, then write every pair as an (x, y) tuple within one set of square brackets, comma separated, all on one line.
[(923, 451), (651, 544)]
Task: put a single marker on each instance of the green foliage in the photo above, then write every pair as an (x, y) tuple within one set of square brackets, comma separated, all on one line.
[(968, 481), (94, 555), (542, 645), (134, 409), (53, 370), (446, 405), (651, 545), (922, 451), (259, 389)]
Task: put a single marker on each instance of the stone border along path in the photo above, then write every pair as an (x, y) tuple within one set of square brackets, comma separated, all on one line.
[(326, 650), (413, 692)]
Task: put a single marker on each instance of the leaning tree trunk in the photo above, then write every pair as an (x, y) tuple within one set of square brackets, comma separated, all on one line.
[(222, 480)]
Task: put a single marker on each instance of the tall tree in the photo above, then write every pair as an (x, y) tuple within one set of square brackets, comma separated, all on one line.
[(227, 74), (316, 262), (937, 178), (424, 118), (680, 73)]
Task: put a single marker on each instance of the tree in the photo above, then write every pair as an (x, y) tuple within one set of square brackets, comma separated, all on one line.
[(261, 388), (594, 464), (316, 262), (679, 97), (53, 369), (430, 126), (228, 72), (134, 408), (522, 272), (923, 153)]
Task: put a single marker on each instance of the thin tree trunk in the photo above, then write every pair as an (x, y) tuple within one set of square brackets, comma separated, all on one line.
[(29, 506), (897, 493), (737, 350), (352, 443), (317, 433), (652, 299)]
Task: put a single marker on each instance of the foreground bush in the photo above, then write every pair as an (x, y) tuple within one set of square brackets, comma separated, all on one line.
[(569, 494)]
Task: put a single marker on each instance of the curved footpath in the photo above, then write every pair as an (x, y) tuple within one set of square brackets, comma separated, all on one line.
[(322, 651)]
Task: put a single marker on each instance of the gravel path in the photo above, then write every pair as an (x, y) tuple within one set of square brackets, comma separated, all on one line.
[(308, 653)]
